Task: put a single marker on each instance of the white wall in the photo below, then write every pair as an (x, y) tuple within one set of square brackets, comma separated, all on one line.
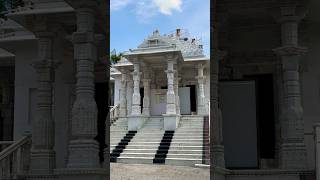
[(311, 100), (25, 85)]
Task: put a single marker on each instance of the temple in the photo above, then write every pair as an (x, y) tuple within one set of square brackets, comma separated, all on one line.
[(161, 87)]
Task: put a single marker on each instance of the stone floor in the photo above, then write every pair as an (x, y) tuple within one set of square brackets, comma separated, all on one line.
[(121, 171)]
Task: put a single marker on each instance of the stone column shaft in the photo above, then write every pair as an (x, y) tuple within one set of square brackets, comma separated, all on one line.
[(293, 149), (136, 107), (171, 101), (146, 97), (201, 95), (123, 95), (129, 94), (42, 153), (217, 147), (176, 91)]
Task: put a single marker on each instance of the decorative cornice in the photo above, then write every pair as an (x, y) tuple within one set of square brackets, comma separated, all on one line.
[(290, 51)]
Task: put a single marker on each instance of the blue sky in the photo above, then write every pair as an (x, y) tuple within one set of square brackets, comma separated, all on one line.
[(133, 20)]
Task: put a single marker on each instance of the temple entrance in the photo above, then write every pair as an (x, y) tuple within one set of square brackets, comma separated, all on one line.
[(248, 114), (101, 98), (185, 103), (158, 102), (141, 98), (238, 105), (193, 98), (265, 115)]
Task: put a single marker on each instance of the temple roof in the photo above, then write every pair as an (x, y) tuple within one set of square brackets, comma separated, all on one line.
[(180, 40)]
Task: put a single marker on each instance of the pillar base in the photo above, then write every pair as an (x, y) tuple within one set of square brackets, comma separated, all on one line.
[(82, 174), (293, 156), (135, 122), (218, 155), (83, 153), (202, 111), (40, 177), (170, 122), (42, 161)]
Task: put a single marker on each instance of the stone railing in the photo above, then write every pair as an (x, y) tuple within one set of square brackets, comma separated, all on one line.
[(14, 160), (114, 113)]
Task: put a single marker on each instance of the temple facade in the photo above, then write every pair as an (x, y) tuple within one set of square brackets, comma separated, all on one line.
[(160, 112), (166, 76)]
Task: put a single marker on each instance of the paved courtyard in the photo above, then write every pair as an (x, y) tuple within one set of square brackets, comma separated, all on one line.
[(121, 171)]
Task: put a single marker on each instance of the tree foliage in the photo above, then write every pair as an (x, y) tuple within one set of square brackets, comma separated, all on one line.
[(115, 58)]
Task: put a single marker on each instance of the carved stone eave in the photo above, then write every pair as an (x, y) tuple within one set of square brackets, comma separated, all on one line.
[(290, 51), (91, 4)]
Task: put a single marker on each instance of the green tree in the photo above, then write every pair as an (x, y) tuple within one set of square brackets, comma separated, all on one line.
[(3, 9), (114, 58)]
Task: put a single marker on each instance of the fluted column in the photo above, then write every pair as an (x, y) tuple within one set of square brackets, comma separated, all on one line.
[(136, 107), (83, 149), (201, 105), (217, 147), (42, 152), (293, 148), (146, 96), (123, 95), (171, 101)]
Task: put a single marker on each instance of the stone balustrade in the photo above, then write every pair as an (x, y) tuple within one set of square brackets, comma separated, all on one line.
[(15, 159), (114, 113)]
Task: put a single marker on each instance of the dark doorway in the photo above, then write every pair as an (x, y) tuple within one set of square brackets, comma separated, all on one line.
[(265, 115), (193, 99), (101, 97), (141, 98)]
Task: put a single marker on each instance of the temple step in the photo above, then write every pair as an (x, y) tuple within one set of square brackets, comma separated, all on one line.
[(121, 145), (160, 156)]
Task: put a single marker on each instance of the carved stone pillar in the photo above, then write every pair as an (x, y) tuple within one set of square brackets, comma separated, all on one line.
[(83, 158), (171, 120), (171, 102), (146, 96), (42, 153), (176, 91), (123, 95), (129, 93), (136, 120), (293, 148), (83, 148), (136, 107), (201, 105), (217, 147)]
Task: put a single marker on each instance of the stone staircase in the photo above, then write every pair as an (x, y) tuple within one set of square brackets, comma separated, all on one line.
[(187, 145), (154, 123), (118, 130), (152, 144)]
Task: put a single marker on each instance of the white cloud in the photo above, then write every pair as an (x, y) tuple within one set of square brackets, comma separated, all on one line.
[(147, 9), (118, 4), (167, 6)]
